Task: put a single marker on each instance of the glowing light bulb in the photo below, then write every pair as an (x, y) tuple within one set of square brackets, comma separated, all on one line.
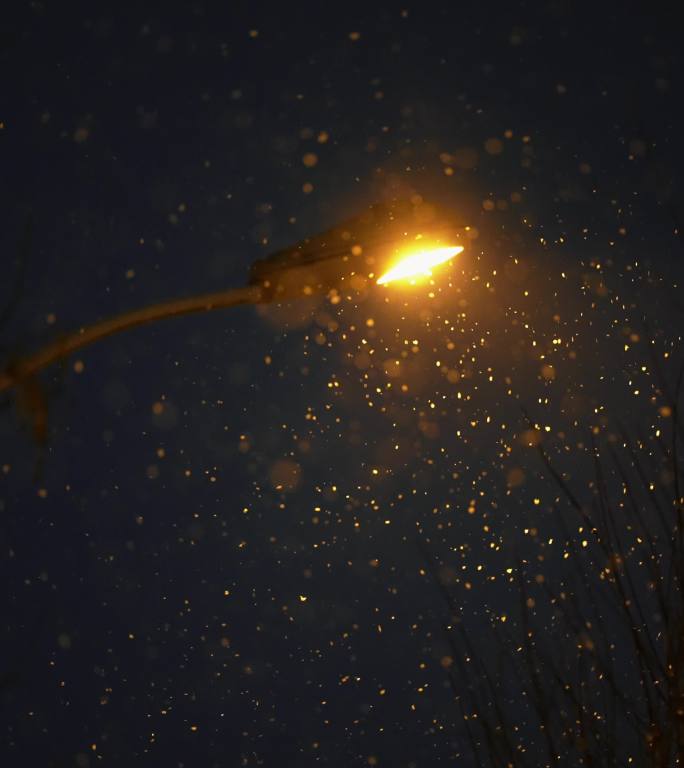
[(419, 264)]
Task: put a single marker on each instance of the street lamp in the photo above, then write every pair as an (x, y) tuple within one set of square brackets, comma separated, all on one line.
[(400, 240)]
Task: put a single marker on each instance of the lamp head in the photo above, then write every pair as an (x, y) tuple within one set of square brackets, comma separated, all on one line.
[(361, 250)]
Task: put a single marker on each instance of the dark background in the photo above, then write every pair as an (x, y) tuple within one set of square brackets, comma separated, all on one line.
[(166, 601)]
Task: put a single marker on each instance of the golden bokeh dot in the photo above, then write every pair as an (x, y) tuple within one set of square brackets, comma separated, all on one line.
[(515, 477), (285, 475), (530, 438), (81, 134), (493, 146)]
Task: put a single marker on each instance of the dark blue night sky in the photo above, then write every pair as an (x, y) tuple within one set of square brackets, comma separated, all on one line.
[(312, 533)]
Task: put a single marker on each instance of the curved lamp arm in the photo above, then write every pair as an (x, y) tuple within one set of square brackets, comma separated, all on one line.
[(30, 365)]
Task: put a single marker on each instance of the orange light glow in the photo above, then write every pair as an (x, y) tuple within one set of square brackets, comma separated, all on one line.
[(417, 265)]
